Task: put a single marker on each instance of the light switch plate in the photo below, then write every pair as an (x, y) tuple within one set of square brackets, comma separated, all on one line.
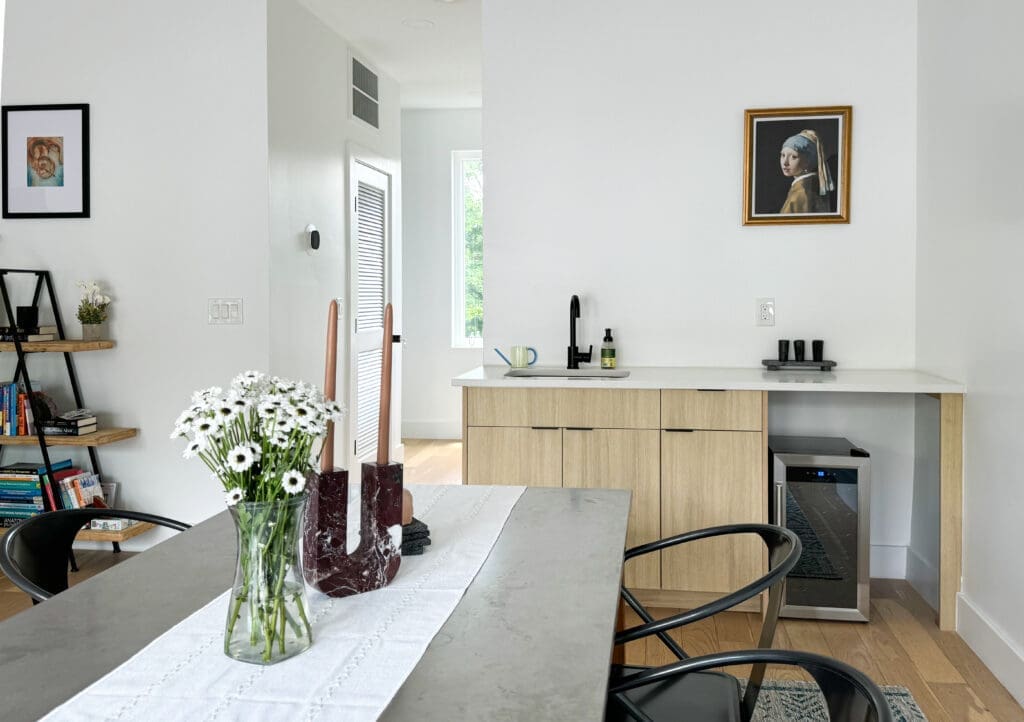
[(224, 311)]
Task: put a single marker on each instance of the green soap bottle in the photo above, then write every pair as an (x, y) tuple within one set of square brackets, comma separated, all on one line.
[(608, 350)]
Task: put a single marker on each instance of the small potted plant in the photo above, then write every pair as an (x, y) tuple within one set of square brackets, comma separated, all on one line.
[(92, 311)]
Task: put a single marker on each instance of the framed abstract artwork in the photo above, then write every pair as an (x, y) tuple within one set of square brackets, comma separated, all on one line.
[(796, 165), (45, 161)]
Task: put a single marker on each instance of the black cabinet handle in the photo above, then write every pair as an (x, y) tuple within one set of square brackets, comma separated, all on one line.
[(713, 390), (545, 428), (679, 431), (579, 428)]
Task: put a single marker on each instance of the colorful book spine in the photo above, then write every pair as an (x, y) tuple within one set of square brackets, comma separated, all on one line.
[(22, 424)]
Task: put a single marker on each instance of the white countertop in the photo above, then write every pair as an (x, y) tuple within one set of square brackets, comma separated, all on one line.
[(884, 381)]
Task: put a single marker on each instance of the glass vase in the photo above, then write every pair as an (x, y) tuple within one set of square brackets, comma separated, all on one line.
[(267, 618)]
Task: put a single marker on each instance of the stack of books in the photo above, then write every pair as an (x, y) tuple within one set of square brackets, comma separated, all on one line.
[(21, 496), (73, 423), (35, 333), (26, 490), (15, 412)]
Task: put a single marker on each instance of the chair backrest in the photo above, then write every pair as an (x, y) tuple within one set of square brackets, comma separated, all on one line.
[(34, 553)]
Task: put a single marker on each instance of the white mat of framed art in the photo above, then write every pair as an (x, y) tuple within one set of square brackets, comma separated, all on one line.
[(363, 648)]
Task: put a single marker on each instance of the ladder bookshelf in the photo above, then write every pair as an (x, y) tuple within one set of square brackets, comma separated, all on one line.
[(67, 347)]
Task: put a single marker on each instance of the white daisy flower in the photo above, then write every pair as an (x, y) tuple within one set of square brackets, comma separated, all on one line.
[(267, 410), (195, 447), (185, 418), (205, 395), (233, 496), (241, 458), (279, 440), (283, 423), (256, 452), (293, 481), (207, 425), (180, 432), (225, 410), (247, 379)]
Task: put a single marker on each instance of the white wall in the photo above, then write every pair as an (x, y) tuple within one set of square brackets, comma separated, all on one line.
[(613, 135), (970, 257), (311, 139), (432, 408), (179, 213), (614, 138)]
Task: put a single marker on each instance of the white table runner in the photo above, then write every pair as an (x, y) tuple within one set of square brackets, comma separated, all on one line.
[(363, 649)]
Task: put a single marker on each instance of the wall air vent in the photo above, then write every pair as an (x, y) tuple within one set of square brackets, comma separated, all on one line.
[(365, 97)]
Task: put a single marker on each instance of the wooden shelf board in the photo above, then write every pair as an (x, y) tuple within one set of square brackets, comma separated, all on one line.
[(114, 536), (109, 536), (65, 346), (96, 438)]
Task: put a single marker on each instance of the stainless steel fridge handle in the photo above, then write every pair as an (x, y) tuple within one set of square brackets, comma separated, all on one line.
[(780, 511)]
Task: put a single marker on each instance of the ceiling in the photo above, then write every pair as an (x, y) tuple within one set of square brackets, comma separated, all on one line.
[(431, 47)]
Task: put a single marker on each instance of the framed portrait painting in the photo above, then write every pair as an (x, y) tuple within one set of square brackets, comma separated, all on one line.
[(45, 161), (796, 165)]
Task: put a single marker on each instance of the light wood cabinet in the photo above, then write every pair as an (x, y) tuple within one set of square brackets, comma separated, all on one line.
[(515, 456), (512, 407), (711, 474), (622, 459), (711, 410), (609, 408), (710, 478)]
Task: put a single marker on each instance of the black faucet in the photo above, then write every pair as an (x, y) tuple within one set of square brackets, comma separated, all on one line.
[(575, 355)]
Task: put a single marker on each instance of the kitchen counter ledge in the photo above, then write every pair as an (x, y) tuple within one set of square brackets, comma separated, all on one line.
[(885, 381)]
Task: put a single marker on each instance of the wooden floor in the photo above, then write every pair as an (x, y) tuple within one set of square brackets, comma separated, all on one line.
[(90, 563), (901, 645)]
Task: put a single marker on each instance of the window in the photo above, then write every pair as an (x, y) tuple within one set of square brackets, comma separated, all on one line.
[(467, 249)]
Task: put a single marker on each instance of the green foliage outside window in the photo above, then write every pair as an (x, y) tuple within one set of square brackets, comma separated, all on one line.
[(473, 258)]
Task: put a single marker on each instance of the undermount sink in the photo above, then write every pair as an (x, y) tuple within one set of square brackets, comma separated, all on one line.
[(550, 372)]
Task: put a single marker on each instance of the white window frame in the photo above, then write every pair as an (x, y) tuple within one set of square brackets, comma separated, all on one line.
[(459, 338)]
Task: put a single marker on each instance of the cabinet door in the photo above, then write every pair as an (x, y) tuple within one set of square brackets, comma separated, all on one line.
[(515, 456), (710, 478), (621, 459)]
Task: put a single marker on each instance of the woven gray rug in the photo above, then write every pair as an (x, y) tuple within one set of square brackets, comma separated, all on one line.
[(802, 702)]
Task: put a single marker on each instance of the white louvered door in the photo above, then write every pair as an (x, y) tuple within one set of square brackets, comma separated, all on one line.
[(370, 290)]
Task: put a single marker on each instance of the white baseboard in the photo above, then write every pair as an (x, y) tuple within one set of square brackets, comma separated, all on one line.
[(888, 562), (431, 429), (992, 645), (924, 577)]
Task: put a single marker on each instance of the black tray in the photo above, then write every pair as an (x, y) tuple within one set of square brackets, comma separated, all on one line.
[(776, 365)]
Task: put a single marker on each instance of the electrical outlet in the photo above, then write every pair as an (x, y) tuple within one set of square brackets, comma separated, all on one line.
[(765, 312)]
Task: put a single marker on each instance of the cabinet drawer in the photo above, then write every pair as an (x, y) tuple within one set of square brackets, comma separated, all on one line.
[(712, 410), (609, 408), (514, 456), (512, 407)]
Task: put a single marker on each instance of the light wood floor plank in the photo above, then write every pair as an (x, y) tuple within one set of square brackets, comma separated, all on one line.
[(932, 663)]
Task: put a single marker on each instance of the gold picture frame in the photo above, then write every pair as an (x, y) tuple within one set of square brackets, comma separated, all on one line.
[(796, 165)]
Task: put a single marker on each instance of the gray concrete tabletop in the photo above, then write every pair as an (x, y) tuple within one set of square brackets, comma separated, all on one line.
[(531, 638)]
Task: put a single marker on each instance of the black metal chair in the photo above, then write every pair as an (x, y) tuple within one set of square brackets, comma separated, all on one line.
[(34, 554), (783, 554), (685, 691)]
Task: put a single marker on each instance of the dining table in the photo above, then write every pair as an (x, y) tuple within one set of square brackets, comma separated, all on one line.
[(531, 637)]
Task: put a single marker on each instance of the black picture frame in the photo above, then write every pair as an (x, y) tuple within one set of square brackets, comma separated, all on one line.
[(63, 184)]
